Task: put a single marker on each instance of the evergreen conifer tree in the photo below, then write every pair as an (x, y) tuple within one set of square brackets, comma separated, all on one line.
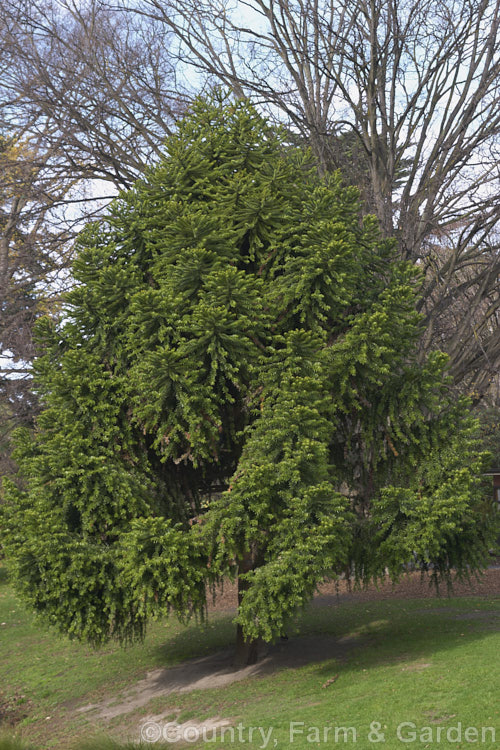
[(234, 389)]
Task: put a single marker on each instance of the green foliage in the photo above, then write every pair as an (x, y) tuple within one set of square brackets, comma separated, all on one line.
[(234, 389)]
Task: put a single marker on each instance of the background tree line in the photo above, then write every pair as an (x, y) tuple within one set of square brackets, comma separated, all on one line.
[(403, 97)]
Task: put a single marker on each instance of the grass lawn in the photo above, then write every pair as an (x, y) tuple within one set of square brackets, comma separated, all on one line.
[(432, 664)]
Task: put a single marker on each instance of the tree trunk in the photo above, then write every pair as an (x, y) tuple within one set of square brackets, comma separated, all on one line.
[(247, 651)]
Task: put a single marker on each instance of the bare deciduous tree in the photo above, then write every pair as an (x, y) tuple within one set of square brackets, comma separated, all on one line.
[(87, 95), (415, 84), (33, 252), (103, 79)]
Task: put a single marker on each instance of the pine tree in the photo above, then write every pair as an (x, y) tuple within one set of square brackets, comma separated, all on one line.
[(234, 389)]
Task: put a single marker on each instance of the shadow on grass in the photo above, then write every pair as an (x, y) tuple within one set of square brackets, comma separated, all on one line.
[(197, 640), (361, 634), (4, 579), (410, 631)]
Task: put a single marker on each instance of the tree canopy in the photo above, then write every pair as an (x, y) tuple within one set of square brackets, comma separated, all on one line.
[(234, 389), (402, 97), (412, 88)]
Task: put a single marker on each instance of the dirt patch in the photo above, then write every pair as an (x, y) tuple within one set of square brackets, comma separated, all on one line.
[(13, 709), (413, 586), (217, 671), (439, 719), (416, 667)]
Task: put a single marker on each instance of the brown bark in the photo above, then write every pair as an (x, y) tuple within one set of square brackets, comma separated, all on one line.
[(248, 651)]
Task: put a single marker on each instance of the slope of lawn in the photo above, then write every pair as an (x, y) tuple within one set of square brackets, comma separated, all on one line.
[(430, 663)]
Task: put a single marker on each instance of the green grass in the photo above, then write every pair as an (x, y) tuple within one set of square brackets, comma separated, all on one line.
[(430, 662), (12, 743)]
